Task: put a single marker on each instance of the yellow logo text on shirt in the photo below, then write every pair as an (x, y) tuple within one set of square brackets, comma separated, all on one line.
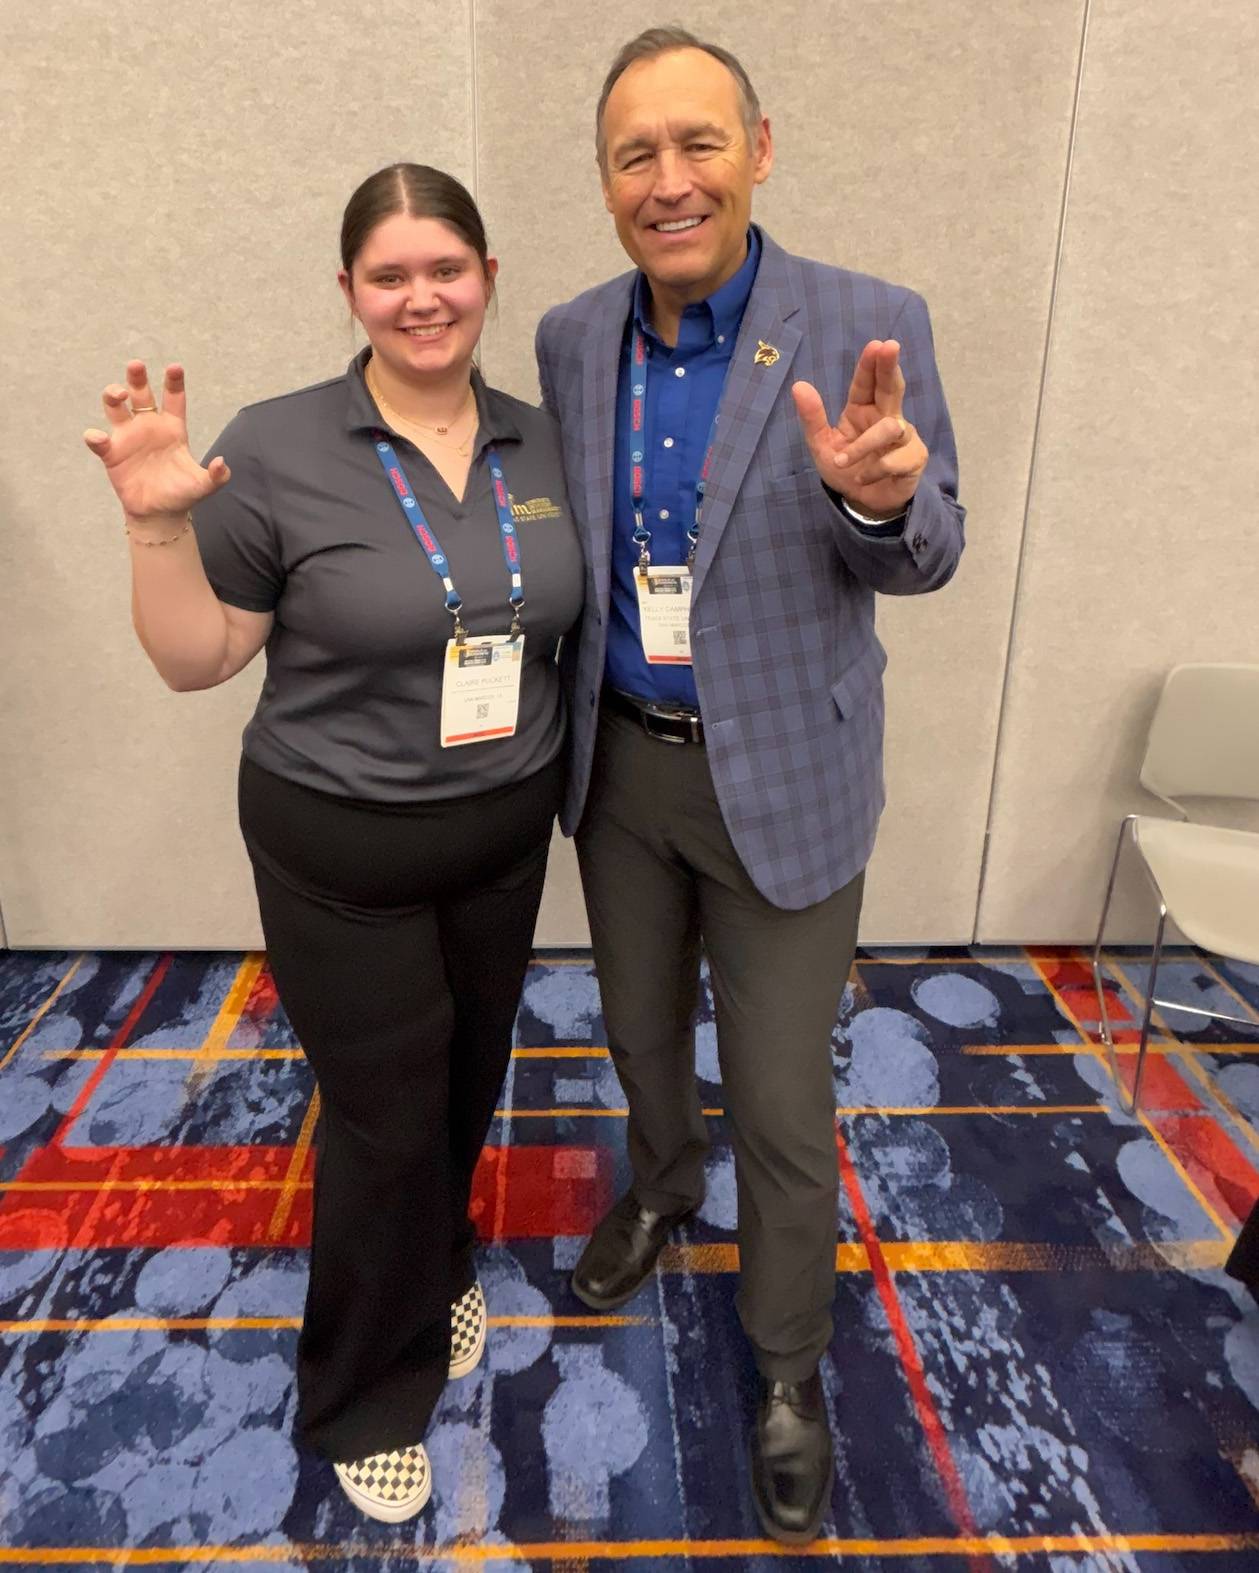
[(534, 508)]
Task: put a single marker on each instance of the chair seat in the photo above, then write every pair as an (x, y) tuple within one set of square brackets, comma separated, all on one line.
[(1210, 881)]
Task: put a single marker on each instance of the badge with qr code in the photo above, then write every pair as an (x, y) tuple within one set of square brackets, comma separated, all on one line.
[(664, 614), (481, 689)]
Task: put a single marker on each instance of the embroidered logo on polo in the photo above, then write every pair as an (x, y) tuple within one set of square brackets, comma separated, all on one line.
[(534, 508)]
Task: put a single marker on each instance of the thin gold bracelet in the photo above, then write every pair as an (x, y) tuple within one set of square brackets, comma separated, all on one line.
[(166, 540)]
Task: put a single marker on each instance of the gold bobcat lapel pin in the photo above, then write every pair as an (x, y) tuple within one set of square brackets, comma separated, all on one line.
[(766, 354)]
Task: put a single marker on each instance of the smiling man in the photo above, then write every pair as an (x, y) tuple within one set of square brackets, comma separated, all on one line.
[(726, 688)]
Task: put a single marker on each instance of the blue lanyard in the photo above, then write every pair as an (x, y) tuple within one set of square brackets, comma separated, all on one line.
[(637, 442), (414, 515)]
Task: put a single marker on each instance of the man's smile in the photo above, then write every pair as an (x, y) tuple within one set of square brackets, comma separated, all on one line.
[(677, 226)]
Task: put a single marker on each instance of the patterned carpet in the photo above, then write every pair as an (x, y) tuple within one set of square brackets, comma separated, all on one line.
[(1037, 1362)]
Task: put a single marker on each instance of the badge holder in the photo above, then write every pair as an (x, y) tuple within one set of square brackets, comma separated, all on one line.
[(481, 682), (664, 614), (664, 603)]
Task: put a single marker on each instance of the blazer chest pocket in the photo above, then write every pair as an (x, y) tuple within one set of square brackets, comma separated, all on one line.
[(859, 684), (800, 484), (790, 502)]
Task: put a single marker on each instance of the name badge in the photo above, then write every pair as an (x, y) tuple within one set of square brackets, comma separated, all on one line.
[(664, 614), (481, 689)]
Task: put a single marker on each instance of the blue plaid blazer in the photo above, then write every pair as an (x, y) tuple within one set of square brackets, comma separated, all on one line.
[(787, 663)]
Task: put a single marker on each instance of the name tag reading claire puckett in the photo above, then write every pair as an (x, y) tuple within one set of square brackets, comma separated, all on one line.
[(481, 689), (664, 614)]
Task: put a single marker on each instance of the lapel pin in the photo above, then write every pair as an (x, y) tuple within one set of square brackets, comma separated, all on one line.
[(766, 354)]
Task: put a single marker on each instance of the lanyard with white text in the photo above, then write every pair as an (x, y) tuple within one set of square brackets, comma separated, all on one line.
[(414, 515), (637, 436)]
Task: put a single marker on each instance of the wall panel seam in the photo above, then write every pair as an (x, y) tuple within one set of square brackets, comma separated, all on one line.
[(474, 132), (473, 99), (1003, 706)]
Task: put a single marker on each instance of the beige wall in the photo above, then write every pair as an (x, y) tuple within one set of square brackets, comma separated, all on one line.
[(1142, 542), (173, 197)]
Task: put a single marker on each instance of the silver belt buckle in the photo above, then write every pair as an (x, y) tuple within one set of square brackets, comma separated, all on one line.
[(661, 714), (660, 736)]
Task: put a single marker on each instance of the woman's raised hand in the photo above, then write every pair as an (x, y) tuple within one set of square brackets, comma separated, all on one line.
[(145, 451)]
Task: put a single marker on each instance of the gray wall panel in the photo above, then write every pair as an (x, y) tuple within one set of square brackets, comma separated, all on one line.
[(1142, 538)]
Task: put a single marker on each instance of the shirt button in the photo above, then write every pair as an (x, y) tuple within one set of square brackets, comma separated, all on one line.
[(664, 513), (679, 371), (721, 338), (668, 442)]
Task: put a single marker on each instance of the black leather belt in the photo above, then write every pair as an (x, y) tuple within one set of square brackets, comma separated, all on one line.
[(670, 725)]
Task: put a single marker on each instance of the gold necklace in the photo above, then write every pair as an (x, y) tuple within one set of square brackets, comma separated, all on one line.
[(462, 448), (437, 434)]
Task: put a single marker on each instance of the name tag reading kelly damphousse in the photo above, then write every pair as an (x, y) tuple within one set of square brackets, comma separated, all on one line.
[(664, 614), (481, 689)]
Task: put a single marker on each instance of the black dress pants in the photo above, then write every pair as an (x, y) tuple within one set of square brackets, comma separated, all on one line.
[(661, 876), (398, 938)]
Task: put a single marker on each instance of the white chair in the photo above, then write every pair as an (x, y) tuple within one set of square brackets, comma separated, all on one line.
[(1203, 742)]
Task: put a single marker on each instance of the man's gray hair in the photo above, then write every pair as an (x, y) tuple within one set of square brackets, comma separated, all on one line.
[(664, 41)]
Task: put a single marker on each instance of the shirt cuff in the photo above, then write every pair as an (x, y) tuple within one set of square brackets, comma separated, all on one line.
[(873, 527)]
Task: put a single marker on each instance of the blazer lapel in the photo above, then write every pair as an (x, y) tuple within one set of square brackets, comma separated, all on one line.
[(597, 422), (752, 387)]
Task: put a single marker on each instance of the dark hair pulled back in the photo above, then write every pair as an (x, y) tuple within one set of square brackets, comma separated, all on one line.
[(419, 191)]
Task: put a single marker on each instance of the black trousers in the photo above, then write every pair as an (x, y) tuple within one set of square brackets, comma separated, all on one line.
[(661, 875), (398, 939)]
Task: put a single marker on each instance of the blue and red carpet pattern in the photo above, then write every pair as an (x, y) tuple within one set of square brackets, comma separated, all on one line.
[(1037, 1361)]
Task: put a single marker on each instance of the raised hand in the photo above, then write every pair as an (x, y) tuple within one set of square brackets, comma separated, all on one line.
[(872, 456), (145, 451)]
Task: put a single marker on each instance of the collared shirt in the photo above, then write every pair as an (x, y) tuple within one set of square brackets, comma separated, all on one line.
[(684, 384), (309, 528)]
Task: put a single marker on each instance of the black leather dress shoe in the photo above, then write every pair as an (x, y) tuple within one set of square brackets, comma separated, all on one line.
[(792, 1459), (1243, 1260), (621, 1253)]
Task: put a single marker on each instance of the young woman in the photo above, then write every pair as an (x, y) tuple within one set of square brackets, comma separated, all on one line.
[(398, 541)]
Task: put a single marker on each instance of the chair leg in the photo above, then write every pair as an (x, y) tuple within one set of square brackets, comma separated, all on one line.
[(1098, 981), (1149, 1005)]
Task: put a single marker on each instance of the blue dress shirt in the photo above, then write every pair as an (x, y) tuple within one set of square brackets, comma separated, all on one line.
[(684, 383)]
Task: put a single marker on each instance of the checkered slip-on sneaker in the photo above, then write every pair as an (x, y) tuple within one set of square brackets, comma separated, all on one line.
[(388, 1486), (467, 1331)]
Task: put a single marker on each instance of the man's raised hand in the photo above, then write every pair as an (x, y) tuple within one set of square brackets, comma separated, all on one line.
[(872, 456)]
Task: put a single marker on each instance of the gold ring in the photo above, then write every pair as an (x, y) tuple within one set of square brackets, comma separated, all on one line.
[(144, 409)]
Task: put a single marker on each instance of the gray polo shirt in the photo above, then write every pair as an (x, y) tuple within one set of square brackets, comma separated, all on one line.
[(309, 528)]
